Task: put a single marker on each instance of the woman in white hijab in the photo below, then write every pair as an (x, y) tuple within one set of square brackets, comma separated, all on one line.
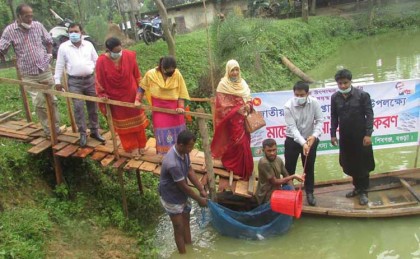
[(231, 142)]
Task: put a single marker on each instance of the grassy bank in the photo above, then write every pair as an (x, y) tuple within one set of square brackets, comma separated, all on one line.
[(84, 217)]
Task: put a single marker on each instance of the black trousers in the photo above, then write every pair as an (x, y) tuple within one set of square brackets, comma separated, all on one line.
[(361, 183), (292, 150)]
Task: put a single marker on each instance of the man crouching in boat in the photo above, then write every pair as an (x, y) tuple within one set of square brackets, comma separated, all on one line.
[(351, 111), (174, 190), (270, 171)]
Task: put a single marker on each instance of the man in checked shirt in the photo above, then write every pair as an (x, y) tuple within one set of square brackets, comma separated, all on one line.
[(33, 47)]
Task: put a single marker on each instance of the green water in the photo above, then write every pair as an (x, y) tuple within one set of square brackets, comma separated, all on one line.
[(380, 58)]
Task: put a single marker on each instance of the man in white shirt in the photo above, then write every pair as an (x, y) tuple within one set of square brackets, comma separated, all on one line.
[(304, 122), (79, 57)]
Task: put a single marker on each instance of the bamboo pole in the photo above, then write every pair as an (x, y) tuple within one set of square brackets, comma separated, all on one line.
[(111, 128), (9, 116), (140, 185), (51, 120), (417, 155), (124, 196), (207, 155), (41, 88), (68, 102), (24, 96)]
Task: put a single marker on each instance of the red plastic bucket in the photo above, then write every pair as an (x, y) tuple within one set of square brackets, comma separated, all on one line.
[(287, 202)]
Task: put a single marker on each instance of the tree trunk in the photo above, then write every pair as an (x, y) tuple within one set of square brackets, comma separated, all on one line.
[(305, 10), (170, 41), (295, 70), (313, 7), (133, 19), (372, 13), (80, 11)]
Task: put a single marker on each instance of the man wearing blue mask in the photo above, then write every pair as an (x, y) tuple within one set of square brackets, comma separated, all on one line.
[(79, 57), (304, 123), (33, 47), (351, 111)]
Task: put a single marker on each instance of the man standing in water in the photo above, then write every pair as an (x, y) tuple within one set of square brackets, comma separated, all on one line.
[(33, 47), (174, 190), (304, 121), (351, 111)]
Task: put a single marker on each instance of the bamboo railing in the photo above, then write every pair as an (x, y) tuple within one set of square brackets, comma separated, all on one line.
[(201, 117)]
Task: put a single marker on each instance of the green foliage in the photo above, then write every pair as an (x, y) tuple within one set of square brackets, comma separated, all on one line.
[(23, 233), (191, 55), (97, 28), (42, 12), (149, 5), (258, 44), (5, 15), (91, 197)]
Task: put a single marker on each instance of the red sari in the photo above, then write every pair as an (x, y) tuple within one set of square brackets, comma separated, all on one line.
[(231, 142), (120, 82)]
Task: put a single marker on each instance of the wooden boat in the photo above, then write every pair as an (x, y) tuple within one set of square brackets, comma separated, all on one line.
[(391, 194)]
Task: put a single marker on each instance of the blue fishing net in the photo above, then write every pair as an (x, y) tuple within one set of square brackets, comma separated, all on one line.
[(203, 218), (258, 223)]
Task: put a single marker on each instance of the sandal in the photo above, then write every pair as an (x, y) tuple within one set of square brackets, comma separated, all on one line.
[(142, 151)]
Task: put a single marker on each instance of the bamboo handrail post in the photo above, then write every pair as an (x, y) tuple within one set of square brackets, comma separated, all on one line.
[(207, 155), (68, 102), (24, 95), (51, 120), (111, 128)]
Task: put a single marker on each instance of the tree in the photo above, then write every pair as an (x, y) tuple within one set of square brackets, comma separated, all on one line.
[(313, 7), (305, 11), (170, 41)]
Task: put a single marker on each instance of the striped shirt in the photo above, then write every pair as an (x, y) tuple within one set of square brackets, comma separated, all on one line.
[(29, 45)]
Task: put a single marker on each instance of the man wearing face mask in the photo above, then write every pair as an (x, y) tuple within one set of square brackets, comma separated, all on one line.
[(79, 57), (351, 111), (33, 47), (304, 122)]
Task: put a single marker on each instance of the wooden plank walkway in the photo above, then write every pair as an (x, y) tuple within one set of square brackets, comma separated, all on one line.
[(67, 146)]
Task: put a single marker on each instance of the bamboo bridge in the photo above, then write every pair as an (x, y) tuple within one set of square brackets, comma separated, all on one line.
[(209, 171)]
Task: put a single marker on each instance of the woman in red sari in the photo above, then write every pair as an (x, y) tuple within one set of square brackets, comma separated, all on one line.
[(231, 142), (118, 78)]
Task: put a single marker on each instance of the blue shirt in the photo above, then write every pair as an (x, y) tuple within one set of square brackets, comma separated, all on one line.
[(175, 168)]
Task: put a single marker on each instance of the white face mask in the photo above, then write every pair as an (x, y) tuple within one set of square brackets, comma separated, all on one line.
[(345, 91), (26, 26), (114, 55), (300, 100)]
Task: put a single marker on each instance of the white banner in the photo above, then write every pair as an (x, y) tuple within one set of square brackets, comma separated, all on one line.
[(395, 106)]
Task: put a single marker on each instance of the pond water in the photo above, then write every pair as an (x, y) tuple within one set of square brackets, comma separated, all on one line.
[(380, 58)]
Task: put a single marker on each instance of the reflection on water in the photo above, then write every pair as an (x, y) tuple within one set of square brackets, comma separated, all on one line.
[(380, 58)]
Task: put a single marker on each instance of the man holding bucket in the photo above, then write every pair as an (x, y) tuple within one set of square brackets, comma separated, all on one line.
[(270, 171), (304, 122)]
